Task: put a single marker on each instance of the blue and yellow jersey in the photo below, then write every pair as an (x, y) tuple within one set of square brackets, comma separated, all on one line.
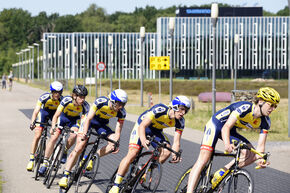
[(158, 114), (70, 110), (46, 102), (104, 112), (244, 112)]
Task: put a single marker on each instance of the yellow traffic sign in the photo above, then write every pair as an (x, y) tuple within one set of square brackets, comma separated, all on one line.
[(159, 63)]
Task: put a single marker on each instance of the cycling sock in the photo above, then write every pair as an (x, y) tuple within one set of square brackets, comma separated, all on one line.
[(45, 161), (66, 173), (118, 180), (31, 157)]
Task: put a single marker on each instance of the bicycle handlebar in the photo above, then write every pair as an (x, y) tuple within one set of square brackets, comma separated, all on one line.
[(102, 136), (164, 145)]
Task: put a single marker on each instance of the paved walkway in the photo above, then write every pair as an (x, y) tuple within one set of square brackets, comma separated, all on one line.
[(15, 140)]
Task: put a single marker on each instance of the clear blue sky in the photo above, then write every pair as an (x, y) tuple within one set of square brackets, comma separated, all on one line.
[(64, 7)]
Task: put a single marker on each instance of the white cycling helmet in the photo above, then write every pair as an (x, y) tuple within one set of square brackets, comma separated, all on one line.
[(180, 101), (118, 95), (56, 86)]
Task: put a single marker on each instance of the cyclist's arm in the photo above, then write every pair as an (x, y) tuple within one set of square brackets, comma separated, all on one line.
[(142, 127), (54, 120), (118, 130), (88, 120), (35, 113), (176, 141), (226, 132)]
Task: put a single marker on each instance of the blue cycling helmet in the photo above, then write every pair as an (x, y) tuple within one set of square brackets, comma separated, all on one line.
[(118, 95), (180, 101), (56, 86)]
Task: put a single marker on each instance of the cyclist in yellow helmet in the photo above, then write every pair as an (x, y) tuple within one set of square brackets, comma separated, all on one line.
[(224, 123)]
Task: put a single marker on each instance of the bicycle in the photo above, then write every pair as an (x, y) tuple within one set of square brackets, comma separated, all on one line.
[(145, 171), (84, 179), (55, 158), (40, 150), (236, 180)]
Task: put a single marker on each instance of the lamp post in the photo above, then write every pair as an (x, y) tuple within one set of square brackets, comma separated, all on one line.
[(84, 48), (44, 58), (142, 38), (75, 50), (236, 40), (214, 18), (110, 42), (32, 62), (18, 53), (37, 60), (171, 32)]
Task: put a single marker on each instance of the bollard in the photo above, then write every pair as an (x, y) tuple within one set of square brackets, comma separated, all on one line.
[(192, 104), (150, 100)]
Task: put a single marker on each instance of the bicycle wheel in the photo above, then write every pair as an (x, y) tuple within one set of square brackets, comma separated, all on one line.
[(39, 156), (55, 164), (149, 179), (86, 178), (181, 185), (237, 182)]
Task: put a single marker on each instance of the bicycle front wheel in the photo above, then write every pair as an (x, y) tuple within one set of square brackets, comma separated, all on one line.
[(181, 185), (237, 182), (39, 156), (149, 179), (88, 175)]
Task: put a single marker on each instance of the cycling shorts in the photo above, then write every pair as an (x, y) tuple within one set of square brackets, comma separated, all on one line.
[(97, 125), (65, 121), (135, 139), (43, 116), (212, 132)]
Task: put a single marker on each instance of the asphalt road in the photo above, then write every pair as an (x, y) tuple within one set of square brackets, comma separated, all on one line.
[(15, 140)]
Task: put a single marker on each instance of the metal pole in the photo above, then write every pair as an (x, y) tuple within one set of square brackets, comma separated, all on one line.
[(38, 62), (110, 41), (236, 40), (159, 72), (289, 70), (142, 38), (171, 32)]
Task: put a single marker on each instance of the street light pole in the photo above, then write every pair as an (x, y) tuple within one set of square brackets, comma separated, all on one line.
[(142, 38), (18, 53), (32, 62), (171, 32), (96, 46), (214, 18), (110, 42), (37, 60), (236, 40)]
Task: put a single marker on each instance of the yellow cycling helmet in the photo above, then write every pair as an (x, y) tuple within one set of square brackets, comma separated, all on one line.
[(269, 94)]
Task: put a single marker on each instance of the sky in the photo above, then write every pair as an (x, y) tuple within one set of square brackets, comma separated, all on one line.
[(65, 7)]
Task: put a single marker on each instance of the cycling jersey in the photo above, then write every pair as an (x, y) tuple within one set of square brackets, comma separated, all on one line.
[(103, 113), (47, 106), (244, 112), (71, 114), (159, 116)]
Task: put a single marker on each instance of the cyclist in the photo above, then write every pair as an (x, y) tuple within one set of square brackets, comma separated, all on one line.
[(224, 124), (152, 122), (98, 117), (68, 113), (44, 111)]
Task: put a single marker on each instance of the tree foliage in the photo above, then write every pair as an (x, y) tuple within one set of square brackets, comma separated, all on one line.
[(18, 28)]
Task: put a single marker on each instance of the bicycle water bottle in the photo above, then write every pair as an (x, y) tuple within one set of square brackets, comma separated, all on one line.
[(218, 176)]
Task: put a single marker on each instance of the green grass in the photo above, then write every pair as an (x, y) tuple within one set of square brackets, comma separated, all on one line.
[(198, 117)]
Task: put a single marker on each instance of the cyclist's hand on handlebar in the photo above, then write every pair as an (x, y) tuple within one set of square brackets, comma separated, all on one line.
[(32, 126), (261, 163), (175, 159), (145, 142), (229, 148)]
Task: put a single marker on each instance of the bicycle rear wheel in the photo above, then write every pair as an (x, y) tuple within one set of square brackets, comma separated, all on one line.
[(55, 165), (237, 182), (181, 185), (149, 179), (39, 156), (87, 178)]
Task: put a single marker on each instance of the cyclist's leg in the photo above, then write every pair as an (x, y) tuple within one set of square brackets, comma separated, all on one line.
[(161, 137), (211, 134), (111, 135), (134, 148)]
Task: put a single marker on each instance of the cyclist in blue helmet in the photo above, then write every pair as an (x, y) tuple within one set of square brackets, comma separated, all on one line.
[(152, 122), (103, 109), (43, 112)]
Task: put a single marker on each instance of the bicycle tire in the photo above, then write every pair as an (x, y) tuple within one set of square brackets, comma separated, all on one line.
[(181, 185), (149, 178), (39, 157), (87, 178), (55, 165), (238, 182)]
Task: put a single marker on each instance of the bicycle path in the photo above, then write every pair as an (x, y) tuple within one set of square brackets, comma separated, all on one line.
[(15, 140)]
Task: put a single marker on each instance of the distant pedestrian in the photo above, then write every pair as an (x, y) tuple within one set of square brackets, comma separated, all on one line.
[(4, 81), (10, 79)]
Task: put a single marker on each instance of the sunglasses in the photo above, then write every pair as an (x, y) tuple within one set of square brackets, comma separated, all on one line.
[(272, 105)]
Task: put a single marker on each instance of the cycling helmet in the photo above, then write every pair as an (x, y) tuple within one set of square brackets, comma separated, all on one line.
[(180, 101), (269, 94), (118, 95), (80, 90), (56, 86)]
